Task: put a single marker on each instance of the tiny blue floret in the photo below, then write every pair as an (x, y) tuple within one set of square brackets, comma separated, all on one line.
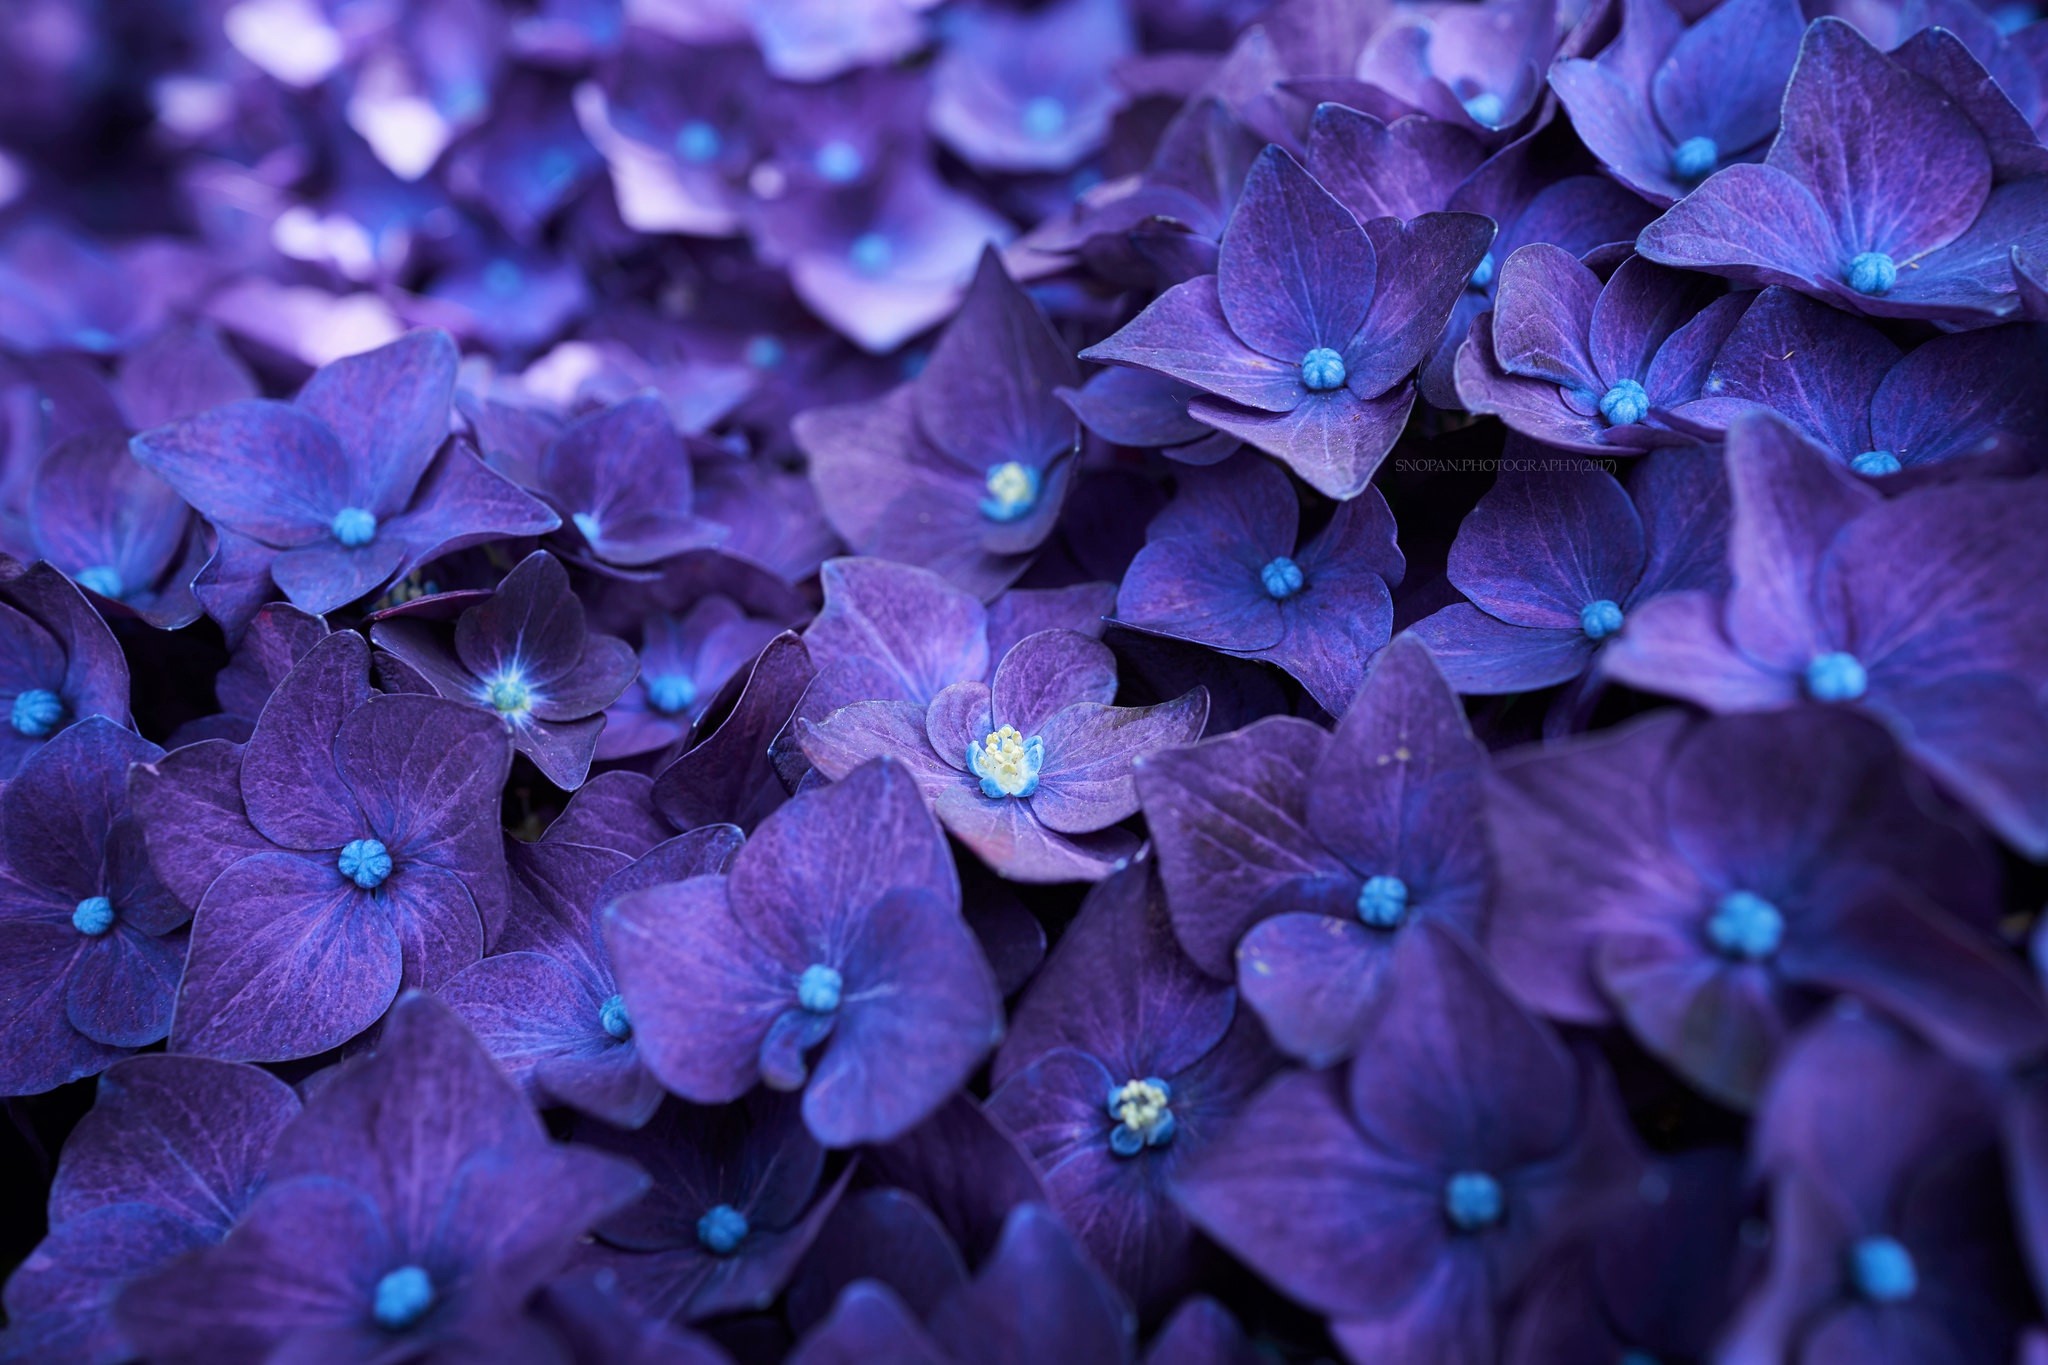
[(503, 278), (103, 579), (838, 161), (1044, 117), (1694, 157), (1625, 404), (1012, 490), (1882, 1270), (698, 142), (1383, 902), (817, 990), (1322, 370), (1143, 1116), (1482, 274), (1837, 676), (871, 253), (1281, 578), (354, 526), (1600, 619), (669, 693), (1873, 273), (763, 352), (1872, 464), (37, 713), (403, 1298), (93, 917), (612, 1015), (721, 1230), (366, 862), (1746, 927), (1007, 763), (1486, 107), (1472, 1200)]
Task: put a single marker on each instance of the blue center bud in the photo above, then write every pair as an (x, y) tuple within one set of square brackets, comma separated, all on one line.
[(93, 917), (871, 253), (1873, 273), (366, 862), (1322, 370), (1143, 1116), (509, 695), (1482, 274), (1625, 404), (1694, 157), (503, 278), (1600, 619), (1281, 578), (1486, 107), (721, 1230), (763, 352), (698, 142), (1012, 491), (586, 525), (612, 1016), (1882, 1271), (103, 579), (403, 1298), (817, 990), (354, 526), (1472, 1200), (670, 693), (1043, 117), (1007, 763), (839, 162), (1873, 463), (1383, 902), (37, 713), (1746, 927), (1838, 676)]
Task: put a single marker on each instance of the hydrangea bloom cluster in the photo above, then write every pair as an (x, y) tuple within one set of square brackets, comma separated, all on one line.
[(1119, 682)]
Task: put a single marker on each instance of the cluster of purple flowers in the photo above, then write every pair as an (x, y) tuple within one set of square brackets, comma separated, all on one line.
[(980, 681)]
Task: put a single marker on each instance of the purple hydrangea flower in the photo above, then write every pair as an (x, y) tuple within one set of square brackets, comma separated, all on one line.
[(621, 478), (686, 659), (91, 944), (1308, 330), (1408, 1196), (416, 1200), (731, 775), (1297, 862), (59, 664), (524, 656), (1553, 563), (1709, 885), (1222, 567), (1478, 66), (1948, 647), (348, 851), (349, 486), (1029, 91), (1878, 196), (837, 932), (1123, 1061)]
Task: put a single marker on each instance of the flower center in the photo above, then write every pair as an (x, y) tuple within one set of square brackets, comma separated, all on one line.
[(871, 253), (1322, 370), (1882, 1271), (509, 695), (1472, 1200), (1486, 107), (721, 1230), (37, 713), (1012, 491), (1875, 463), (403, 1298), (1873, 273), (1625, 404), (103, 579), (93, 917), (839, 162), (1143, 1116), (1600, 619), (763, 352), (1007, 763), (1282, 578), (1838, 676), (612, 1015), (366, 862), (817, 990), (1694, 157), (669, 693), (1044, 117), (698, 142), (1745, 927), (1383, 902), (354, 526), (1482, 274)]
